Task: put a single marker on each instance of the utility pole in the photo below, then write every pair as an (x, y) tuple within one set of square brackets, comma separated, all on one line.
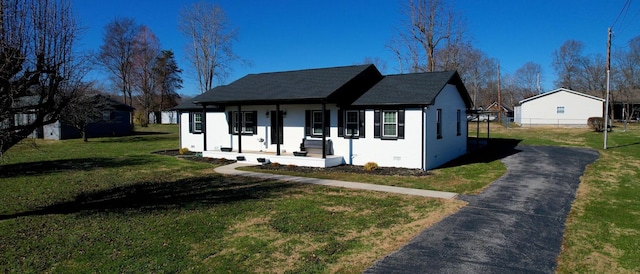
[(538, 82), (606, 111), (499, 97)]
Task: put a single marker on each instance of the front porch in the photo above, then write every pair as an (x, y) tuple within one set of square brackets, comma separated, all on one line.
[(258, 157)]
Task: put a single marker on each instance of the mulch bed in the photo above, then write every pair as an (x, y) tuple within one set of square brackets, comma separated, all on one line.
[(388, 171)]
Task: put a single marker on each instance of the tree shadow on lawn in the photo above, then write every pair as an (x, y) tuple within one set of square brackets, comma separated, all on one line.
[(626, 145), (495, 149), (152, 196), (80, 164)]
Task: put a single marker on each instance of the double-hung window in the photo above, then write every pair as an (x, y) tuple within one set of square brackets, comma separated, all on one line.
[(196, 122), (352, 123), (389, 123), (560, 110), (317, 123), (247, 121)]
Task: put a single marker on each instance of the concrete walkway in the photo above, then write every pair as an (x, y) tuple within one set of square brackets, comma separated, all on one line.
[(231, 170)]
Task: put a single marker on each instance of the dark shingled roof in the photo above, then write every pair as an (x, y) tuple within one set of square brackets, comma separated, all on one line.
[(339, 85), (412, 89)]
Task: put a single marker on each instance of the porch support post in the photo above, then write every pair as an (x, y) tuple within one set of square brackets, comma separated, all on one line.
[(324, 134), (239, 128), (204, 127), (277, 124)]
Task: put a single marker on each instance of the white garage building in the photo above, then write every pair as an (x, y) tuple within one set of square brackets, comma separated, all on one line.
[(560, 107)]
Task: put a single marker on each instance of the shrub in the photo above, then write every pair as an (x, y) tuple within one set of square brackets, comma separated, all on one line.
[(596, 123), (183, 151), (370, 166)]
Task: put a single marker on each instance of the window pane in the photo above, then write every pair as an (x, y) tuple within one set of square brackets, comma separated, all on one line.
[(317, 117), (389, 117), (352, 117), (389, 130)]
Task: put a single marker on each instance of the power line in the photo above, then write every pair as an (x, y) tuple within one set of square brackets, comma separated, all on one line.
[(625, 7)]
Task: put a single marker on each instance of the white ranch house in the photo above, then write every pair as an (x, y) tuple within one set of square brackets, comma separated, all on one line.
[(341, 115), (559, 107)]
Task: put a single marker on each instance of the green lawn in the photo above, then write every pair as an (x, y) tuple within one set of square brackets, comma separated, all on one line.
[(109, 205), (603, 228)]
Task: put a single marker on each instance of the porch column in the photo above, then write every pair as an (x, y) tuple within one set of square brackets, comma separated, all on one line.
[(324, 134), (204, 127), (277, 124), (239, 128)]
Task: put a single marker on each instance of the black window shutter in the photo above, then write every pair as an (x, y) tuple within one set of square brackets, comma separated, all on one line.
[(230, 121), (327, 123), (307, 122), (340, 123), (376, 123), (190, 122), (361, 120), (255, 121), (401, 124)]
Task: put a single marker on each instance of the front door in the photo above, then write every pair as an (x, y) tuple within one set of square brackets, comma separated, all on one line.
[(279, 127)]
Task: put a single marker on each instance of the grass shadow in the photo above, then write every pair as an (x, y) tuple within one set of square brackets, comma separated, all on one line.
[(495, 149), (81, 164), (152, 196)]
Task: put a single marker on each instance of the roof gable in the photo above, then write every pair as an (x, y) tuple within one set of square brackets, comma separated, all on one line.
[(560, 90), (413, 89), (328, 84)]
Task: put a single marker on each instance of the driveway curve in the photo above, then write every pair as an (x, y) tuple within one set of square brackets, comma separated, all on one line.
[(516, 225)]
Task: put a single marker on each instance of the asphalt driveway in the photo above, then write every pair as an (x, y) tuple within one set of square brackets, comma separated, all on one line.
[(514, 226)]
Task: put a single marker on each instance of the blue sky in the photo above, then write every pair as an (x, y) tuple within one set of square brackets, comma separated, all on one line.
[(292, 34)]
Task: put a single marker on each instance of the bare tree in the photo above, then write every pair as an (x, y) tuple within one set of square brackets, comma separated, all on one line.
[(566, 62), (379, 63), (526, 79), (591, 77), (146, 53), (430, 23), (84, 109), (116, 54), (627, 78), (39, 69), (210, 42)]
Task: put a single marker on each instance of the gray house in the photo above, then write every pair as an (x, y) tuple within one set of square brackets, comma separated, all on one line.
[(111, 118)]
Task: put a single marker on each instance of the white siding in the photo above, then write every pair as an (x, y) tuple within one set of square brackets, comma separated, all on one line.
[(451, 145), (544, 109), (407, 152)]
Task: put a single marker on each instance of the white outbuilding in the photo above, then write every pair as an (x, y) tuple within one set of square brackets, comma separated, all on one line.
[(559, 107)]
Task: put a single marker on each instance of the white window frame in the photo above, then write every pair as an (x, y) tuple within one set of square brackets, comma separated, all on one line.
[(106, 115), (352, 129), (560, 109), (197, 121), (384, 123), (245, 121), (317, 127)]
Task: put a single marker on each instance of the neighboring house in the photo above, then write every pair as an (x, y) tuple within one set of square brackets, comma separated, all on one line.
[(560, 107), (626, 106), (493, 107), (341, 115), (115, 120), (167, 117)]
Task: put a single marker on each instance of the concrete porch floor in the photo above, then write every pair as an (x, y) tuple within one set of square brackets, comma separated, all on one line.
[(311, 160)]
